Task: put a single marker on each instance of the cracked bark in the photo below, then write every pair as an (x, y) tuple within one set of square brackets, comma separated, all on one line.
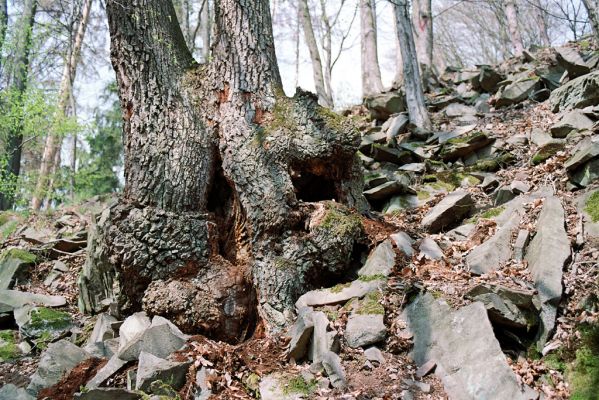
[(212, 230)]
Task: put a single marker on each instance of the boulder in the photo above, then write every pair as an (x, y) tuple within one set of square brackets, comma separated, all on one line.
[(380, 262), (338, 294), (301, 333), (452, 209), (462, 146), (375, 355), (517, 92), (386, 190), (35, 322), (578, 93), (547, 255), (152, 368), (520, 244), (488, 79), (13, 263), (278, 386), (495, 251), (109, 369), (573, 121), (547, 151), (365, 329), (403, 242), (588, 206), (57, 360), (332, 366), (469, 360), (13, 299), (102, 329), (457, 110), (321, 341), (11, 392), (569, 58), (430, 249), (583, 166), (383, 105), (383, 153), (160, 340), (397, 126), (539, 137), (512, 308)]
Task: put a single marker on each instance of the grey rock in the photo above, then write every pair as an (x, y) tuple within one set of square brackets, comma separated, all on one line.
[(406, 395), (540, 138), (383, 153), (513, 308), (518, 140), (332, 365), (590, 227), (133, 326), (569, 58), (418, 168), (547, 255), (454, 207), (365, 329), (583, 166), (301, 333), (381, 261), (495, 251), (11, 392), (458, 110), (461, 232), (397, 126), (502, 195), (420, 386), (386, 190), (489, 183), (383, 105), (462, 146), (519, 187), (152, 368), (321, 343), (547, 151), (272, 387), (516, 92), (159, 340), (430, 249), (520, 244), (578, 93), (102, 329), (401, 202), (403, 242), (12, 299), (573, 121), (109, 369), (322, 297), (488, 79), (108, 394), (11, 268), (375, 355), (474, 367), (58, 359), (36, 322)]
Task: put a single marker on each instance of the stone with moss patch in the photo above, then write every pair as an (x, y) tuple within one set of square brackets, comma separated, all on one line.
[(546, 152), (583, 373), (8, 346), (341, 222), (592, 206), (45, 323), (370, 305), (13, 263), (285, 386)]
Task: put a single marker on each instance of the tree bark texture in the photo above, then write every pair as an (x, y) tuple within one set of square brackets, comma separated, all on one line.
[(543, 28), (371, 72), (422, 21), (511, 13), (224, 219), (324, 98), (593, 13), (53, 141), (17, 83), (411, 74)]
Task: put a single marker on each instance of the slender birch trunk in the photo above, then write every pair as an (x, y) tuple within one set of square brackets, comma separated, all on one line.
[(371, 72), (422, 21), (53, 141), (511, 13), (412, 81)]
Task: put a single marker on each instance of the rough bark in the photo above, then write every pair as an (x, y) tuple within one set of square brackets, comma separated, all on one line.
[(422, 21), (542, 22), (371, 72), (54, 141), (17, 83), (324, 98), (593, 13), (221, 221), (511, 13), (411, 74)]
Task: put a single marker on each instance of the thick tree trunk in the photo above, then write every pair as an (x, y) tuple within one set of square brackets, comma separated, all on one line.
[(593, 13), (371, 72), (17, 83), (324, 98), (221, 221), (422, 21), (511, 13), (411, 74), (54, 141)]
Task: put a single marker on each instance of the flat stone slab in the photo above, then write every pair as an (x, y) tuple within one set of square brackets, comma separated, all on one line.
[(11, 392), (273, 387), (404, 243), (365, 329), (430, 249), (108, 394), (513, 308), (159, 340), (16, 299), (461, 342), (152, 368), (109, 369), (381, 261), (337, 295), (547, 254), (448, 211)]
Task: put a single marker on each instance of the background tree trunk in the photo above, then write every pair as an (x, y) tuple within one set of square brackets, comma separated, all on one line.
[(593, 14), (3, 26), (371, 72), (205, 27), (542, 23), (511, 13), (411, 75), (53, 140), (17, 83), (422, 20), (324, 98), (223, 217)]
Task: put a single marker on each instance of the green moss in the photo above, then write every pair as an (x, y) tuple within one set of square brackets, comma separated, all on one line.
[(8, 346), (555, 362), (341, 222), (46, 318), (466, 138), (546, 152), (332, 315), (493, 212), (584, 371), (298, 384), (371, 304), (282, 116), (592, 206), (370, 278), (423, 195), (493, 164), (284, 263), (8, 229), (21, 254), (338, 288), (332, 119), (442, 186)]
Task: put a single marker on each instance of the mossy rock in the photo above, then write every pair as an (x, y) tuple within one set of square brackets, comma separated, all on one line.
[(583, 373), (370, 305), (341, 222), (591, 206), (493, 164), (20, 254), (46, 323), (299, 385), (546, 152), (8, 346)]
